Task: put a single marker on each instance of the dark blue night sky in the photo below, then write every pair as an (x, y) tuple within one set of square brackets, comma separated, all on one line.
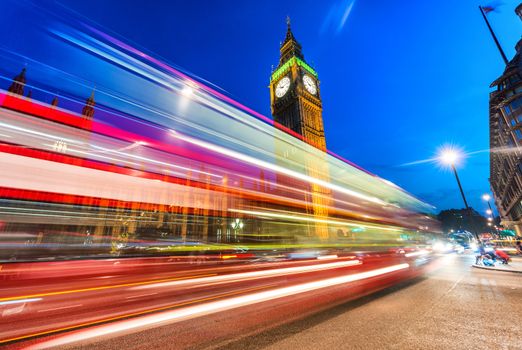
[(398, 79)]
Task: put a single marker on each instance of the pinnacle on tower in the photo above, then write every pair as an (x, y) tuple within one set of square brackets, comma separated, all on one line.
[(289, 34), (17, 86), (88, 109), (290, 46)]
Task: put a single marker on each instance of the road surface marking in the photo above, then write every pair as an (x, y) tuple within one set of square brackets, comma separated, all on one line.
[(454, 285)]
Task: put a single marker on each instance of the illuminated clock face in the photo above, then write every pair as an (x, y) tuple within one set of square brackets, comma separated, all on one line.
[(309, 84), (282, 87)]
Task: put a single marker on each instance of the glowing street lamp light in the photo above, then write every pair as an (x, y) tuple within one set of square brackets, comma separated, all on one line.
[(450, 156), (487, 197), (237, 224)]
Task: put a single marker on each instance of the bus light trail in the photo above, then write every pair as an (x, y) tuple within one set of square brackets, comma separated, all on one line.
[(208, 308)]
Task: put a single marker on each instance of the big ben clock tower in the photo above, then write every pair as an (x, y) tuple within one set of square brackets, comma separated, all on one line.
[(296, 104), (294, 94)]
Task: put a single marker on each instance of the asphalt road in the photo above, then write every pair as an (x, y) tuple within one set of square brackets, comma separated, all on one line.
[(452, 307)]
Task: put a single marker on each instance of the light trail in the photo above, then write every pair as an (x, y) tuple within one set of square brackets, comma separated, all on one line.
[(208, 308), (312, 219), (130, 155), (240, 277), (144, 312), (277, 168), (38, 133), (200, 279), (419, 253), (29, 299), (90, 289), (40, 175), (61, 308)]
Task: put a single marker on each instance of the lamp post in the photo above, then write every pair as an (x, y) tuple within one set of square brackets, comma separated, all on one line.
[(237, 225), (487, 197), (450, 157)]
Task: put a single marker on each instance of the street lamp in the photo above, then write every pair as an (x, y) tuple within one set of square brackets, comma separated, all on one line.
[(237, 225), (450, 156), (487, 197)]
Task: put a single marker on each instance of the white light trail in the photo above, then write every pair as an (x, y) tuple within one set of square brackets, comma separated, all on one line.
[(19, 301), (240, 277), (327, 257), (34, 132), (130, 155), (261, 163), (419, 253)]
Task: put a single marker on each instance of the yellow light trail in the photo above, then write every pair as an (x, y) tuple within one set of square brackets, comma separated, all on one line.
[(309, 219)]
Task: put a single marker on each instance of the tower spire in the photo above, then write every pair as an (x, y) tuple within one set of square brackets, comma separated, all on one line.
[(18, 84), (88, 109), (290, 46)]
